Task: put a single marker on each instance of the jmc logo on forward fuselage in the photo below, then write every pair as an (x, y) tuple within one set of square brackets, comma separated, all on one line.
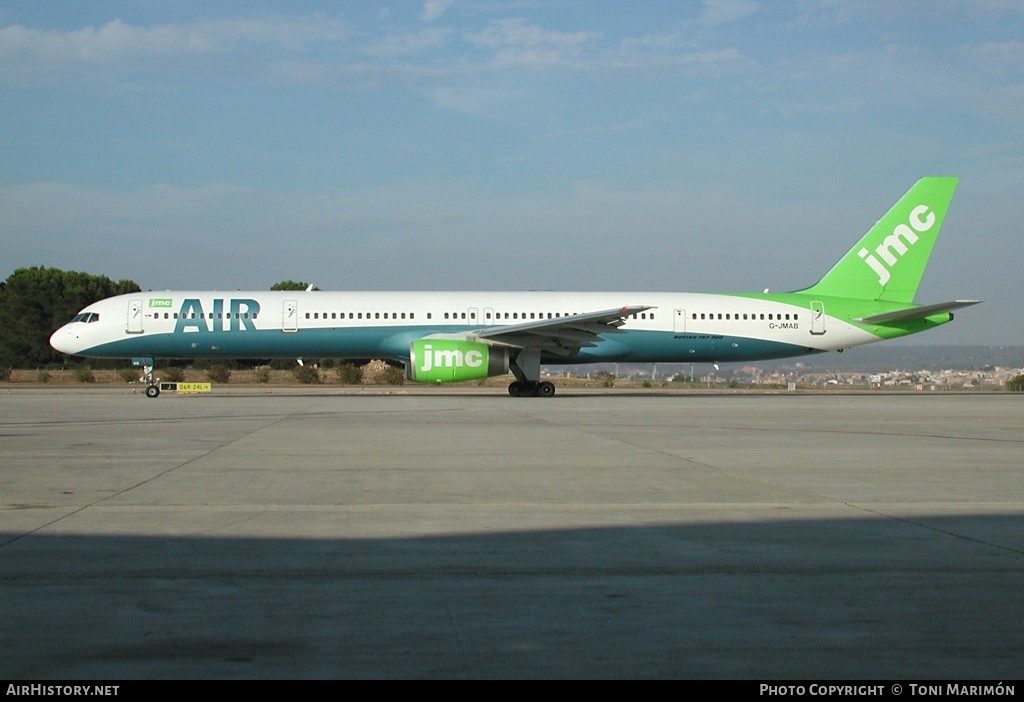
[(892, 247), (240, 315)]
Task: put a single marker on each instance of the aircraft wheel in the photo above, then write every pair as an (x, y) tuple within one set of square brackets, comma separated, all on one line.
[(515, 389), (546, 389), (152, 391)]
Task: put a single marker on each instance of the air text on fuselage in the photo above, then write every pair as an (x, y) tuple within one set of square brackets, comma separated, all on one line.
[(240, 315)]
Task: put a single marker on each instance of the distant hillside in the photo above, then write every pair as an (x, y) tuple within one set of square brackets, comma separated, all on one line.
[(873, 358), (892, 356)]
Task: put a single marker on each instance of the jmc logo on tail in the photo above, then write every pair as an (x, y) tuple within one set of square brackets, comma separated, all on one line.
[(892, 247)]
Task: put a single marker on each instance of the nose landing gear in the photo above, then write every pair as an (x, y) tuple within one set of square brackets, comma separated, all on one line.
[(152, 386)]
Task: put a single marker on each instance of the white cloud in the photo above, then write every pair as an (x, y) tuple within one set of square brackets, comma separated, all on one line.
[(118, 48), (719, 12), (474, 99), (409, 43), (998, 56), (516, 42), (433, 9)]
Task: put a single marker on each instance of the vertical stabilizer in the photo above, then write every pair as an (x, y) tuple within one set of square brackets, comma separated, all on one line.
[(888, 262)]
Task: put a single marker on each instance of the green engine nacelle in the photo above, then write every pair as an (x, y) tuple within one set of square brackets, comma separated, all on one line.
[(452, 361)]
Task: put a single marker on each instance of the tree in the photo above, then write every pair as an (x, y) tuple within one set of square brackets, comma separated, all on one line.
[(34, 302), (290, 285), (1016, 383)]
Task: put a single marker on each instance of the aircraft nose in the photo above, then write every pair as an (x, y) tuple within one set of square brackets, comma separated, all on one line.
[(61, 340)]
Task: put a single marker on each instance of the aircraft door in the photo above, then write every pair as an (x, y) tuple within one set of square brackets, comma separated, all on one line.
[(290, 316), (134, 321), (817, 317), (679, 321)]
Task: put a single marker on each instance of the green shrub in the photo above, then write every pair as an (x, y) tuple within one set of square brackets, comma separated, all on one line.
[(84, 374), (43, 376), (173, 374), (307, 375), (262, 374), (129, 375), (218, 374), (393, 376), (5, 374), (349, 374)]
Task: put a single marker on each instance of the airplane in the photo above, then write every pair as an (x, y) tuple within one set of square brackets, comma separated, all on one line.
[(441, 337)]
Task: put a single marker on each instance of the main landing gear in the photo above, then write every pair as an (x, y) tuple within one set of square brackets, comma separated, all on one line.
[(529, 388), (526, 368)]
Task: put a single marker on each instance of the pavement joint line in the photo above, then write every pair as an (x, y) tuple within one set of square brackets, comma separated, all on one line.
[(148, 480)]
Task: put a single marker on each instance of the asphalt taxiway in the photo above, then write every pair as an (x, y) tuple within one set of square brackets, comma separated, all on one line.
[(435, 533)]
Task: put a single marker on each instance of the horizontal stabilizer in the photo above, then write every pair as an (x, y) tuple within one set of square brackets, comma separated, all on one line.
[(916, 312)]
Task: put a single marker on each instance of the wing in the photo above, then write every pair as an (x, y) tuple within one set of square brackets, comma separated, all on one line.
[(561, 335)]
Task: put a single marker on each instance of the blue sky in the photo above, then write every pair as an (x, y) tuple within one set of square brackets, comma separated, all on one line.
[(509, 145)]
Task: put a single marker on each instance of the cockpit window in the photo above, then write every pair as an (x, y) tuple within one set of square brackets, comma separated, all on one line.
[(86, 317)]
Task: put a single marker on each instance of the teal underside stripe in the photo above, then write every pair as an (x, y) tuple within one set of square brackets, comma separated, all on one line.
[(393, 343)]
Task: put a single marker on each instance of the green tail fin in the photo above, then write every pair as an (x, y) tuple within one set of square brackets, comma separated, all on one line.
[(888, 262)]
